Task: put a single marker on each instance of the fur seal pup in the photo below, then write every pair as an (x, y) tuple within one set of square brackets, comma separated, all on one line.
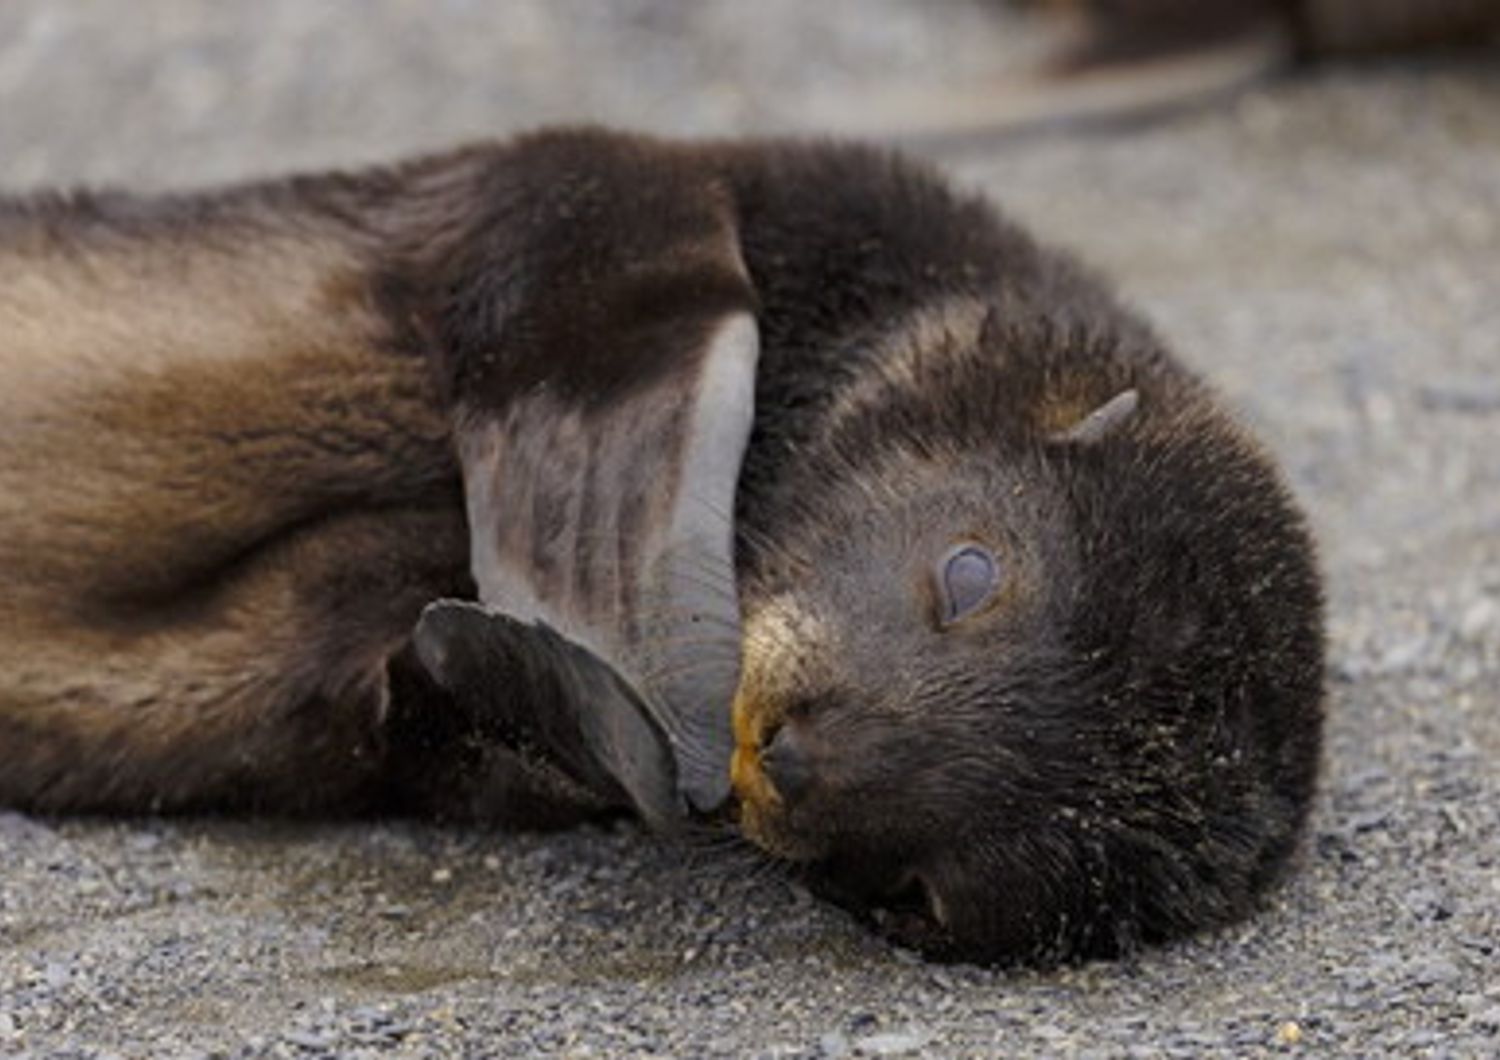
[(1028, 654)]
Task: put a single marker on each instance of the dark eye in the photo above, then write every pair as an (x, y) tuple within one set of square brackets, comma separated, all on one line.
[(967, 577)]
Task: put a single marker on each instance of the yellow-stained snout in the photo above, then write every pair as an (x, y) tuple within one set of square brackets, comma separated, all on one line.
[(745, 769), (783, 644)]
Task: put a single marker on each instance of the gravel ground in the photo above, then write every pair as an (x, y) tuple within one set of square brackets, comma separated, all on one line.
[(1326, 248)]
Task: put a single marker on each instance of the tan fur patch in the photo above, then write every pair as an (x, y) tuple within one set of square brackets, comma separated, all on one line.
[(183, 414), (1062, 409), (926, 335), (162, 397), (779, 640), (73, 317)]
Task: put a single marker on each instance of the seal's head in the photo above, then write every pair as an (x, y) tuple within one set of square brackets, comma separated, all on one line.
[(1033, 653)]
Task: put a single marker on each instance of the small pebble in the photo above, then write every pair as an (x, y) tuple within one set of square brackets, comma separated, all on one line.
[(145, 842), (892, 1043), (313, 1041), (1489, 1018), (1479, 617), (1433, 972), (833, 1046)]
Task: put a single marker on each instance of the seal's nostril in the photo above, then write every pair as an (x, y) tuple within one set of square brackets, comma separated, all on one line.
[(787, 762)]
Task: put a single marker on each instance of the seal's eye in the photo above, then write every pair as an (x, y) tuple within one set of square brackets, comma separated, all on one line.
[(967, 577)]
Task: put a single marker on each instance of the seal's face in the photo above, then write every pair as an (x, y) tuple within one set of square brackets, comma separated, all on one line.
[(887, 719), (871, 672), (1022, 697)]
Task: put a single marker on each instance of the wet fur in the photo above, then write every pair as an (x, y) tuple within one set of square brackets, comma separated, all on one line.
[(228, 488)]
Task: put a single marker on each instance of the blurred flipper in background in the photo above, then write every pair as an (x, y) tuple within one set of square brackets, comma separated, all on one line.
[(1110, 60)]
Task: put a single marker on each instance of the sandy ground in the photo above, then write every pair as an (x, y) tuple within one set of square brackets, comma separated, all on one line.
[(1327, 248)]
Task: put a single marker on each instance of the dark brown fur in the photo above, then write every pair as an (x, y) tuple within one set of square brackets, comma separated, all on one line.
[(226, 490)]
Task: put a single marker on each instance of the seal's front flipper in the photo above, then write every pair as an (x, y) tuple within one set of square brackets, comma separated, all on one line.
[(551, 700), (598, 340), (611, 526)]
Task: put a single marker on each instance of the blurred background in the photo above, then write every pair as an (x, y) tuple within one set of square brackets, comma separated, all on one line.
[(1307, 208), (173, 91), (183, 90)]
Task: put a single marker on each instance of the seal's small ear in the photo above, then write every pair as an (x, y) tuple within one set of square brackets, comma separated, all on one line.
[(600, 348), (1102, 422)]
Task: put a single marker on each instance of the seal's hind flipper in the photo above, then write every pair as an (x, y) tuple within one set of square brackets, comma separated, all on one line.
[(601, 359)]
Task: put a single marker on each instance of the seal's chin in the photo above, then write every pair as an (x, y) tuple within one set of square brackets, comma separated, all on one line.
[(762, 820), (899, 904)]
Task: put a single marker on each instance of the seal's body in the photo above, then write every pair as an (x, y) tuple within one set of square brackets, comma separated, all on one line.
[(1032, 649), (221, 504)]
